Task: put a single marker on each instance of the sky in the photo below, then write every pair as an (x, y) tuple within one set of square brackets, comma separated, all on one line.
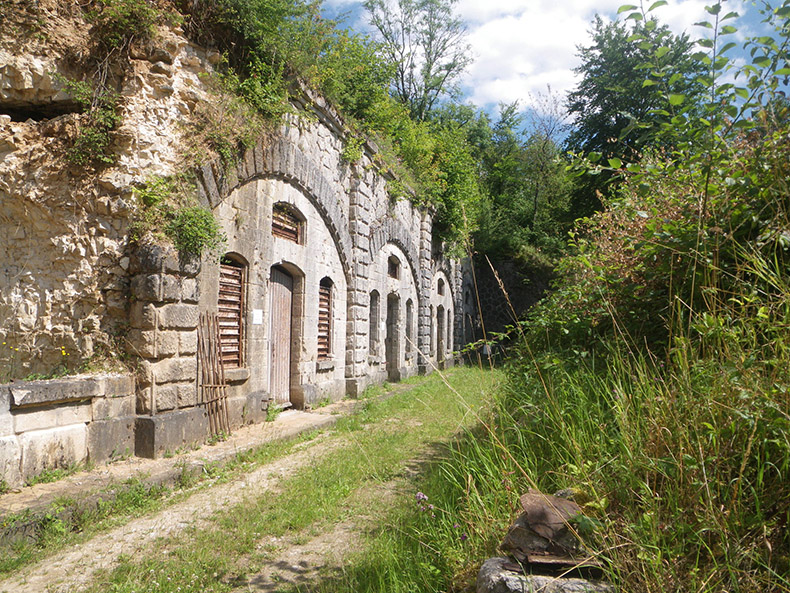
[(523, 47)]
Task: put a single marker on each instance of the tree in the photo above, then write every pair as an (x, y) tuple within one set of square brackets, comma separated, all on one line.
[(426, 43), (616, 112)]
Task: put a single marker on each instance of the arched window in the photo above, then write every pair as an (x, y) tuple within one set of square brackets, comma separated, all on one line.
[(324, 319), (373, 330), (230, 310), (393, 267), (440, 287), (409, 323), (286, 223)]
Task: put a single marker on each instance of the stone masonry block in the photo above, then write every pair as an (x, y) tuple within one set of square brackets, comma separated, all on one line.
[(143, 400), (156, 435), (189, 290), (6, 421), (187, 343), (104, 408), (172, 370), (10, 461), (52, 448), (54, 390), (52, 416), (141, 343), (146, 287), (143, 315), (145, 373), (111, 439), (166, 397), (187, 395), (118, 385), (171, 288), (166, 343), (179, 316)]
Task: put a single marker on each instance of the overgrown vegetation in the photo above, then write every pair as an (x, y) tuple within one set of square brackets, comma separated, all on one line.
[(170, 211)]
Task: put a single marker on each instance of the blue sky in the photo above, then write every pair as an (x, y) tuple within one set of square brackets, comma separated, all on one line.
[(522, 47)]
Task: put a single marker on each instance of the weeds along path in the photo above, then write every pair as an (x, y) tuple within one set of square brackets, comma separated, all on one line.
[(71, 570), (289, 523)]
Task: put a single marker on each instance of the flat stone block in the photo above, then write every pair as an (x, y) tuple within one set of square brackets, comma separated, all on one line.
[(105, 408), (142, 315), (166, 397), (171, 288), (110, 439), (187, 343), (495, 578), (146, 287), (52, 448), (173, 370), (10, 461), (53, 390), (166, 344), (189, 290), (187, 395), (179, 316), (118, 385), (51, 416), (141, 343), (156, 435)]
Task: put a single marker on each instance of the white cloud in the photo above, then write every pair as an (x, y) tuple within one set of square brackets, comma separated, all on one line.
[(521, 46)]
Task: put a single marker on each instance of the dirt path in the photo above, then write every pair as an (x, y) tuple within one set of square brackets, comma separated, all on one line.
[(71, 570)]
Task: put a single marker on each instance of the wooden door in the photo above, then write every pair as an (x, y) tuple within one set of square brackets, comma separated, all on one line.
[(392, 346), (281, 291), (440, 336)]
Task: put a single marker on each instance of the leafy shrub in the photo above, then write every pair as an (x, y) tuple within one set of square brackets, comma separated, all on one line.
[(101, 116), (194, 230), (170, 212), (119, 22)]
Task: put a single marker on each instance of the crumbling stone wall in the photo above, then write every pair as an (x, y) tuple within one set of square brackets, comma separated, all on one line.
[(72, 279)]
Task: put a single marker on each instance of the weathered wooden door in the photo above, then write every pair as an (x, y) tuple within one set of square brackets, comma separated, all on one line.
[(392, 346), (281, 291), (440, 336)]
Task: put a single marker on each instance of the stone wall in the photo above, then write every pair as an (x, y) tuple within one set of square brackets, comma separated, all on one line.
[(72, 280), (46, 425)]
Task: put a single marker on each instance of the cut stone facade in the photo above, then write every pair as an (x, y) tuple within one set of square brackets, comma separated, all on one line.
[(368, 296)]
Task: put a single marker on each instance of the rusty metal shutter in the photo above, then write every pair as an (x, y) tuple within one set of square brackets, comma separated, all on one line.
[(324, 319), (230, 310), (285, 223)]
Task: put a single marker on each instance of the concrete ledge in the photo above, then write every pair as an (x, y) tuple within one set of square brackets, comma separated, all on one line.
[(157, 435), (237, 375), (29, 393)]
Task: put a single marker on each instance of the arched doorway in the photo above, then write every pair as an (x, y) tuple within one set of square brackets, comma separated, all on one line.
[(281, 290), (440, 336), (393, 337)]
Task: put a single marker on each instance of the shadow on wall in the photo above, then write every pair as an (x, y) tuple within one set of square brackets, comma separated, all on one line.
[(524, 288)]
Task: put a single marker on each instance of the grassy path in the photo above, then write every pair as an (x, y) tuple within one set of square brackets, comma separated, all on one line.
[(302, 526)]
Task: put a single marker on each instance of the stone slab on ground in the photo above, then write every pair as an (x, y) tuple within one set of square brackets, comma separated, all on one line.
[(495, 578)]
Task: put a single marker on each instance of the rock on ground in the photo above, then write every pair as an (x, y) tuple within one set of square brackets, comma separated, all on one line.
[(494, 578)]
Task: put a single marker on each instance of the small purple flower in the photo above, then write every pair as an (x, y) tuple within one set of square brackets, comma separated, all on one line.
[(430, 506), (463, 537), (456, 526), (420, 497)]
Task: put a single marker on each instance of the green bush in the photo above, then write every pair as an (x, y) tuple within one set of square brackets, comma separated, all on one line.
[(119, 22), (194, 231)]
